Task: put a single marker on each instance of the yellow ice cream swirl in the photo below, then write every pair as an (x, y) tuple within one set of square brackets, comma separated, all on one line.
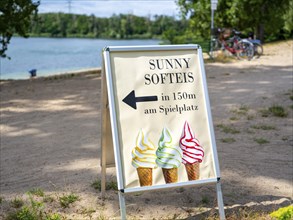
[(144, 153), (168, 155)]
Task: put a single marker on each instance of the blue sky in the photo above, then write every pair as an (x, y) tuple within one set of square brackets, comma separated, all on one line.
[(106, 8)]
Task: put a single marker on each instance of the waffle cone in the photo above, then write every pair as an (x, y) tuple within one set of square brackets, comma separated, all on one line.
[(170, 175), (192, 171), (145, 176)]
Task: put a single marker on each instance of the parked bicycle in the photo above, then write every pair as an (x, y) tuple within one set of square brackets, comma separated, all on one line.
[(258, 49), (241, 48)]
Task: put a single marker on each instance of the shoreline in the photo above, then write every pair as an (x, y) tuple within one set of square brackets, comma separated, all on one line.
[(62, 74), (57, 56)]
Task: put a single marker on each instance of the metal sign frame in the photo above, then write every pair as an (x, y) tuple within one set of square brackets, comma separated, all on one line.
[(108, 104)]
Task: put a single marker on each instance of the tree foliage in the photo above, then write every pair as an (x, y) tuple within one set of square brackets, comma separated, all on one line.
[(117, 26), (268, 19), (15, 18)]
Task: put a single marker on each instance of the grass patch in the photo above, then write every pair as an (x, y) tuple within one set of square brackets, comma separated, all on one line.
[(265, 113), (234, 118), (23, 214), (102, 217), (278, 111), (261, 141), (37, 192), (54, 216), (264, 127), (87, 212), (109, 185), (17, 203), (241, 214), (205, 200), (48, 199), (228, 129), (250, 117), (32, 212), (228, 140), (27, 213), (249, 131), (221, 57), (65, 201), (242, 110)]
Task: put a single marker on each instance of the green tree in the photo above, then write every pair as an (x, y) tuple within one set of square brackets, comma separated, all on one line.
[(288, 17), (15, 18), (199, 13), (266, 18)]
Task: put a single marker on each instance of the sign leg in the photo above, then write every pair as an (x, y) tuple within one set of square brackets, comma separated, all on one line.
[(103, 136), (103, 166), (122, 205), (103, 181), (220, 201)]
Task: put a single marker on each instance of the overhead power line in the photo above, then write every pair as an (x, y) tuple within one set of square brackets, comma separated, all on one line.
[(70, 4), (45, 1)]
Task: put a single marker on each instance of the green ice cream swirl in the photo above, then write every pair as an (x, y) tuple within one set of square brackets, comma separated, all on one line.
[(168, 155)]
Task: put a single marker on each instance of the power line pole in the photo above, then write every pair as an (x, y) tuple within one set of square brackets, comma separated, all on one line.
[(69, 6), (213, 8)]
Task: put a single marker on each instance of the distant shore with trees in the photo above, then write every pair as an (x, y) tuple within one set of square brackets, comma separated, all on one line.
[(122, 26)]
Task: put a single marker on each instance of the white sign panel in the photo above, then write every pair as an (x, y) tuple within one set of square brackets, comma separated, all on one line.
[(160, 117), (214, 6)]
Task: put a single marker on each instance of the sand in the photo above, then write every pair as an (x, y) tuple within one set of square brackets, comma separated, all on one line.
[(50, 140)]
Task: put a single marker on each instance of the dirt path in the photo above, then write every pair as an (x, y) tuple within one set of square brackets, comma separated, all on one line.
[(50, 139)]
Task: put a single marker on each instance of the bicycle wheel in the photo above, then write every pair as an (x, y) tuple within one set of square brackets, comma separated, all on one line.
[(244, 50), (214, 48), (258, 50)]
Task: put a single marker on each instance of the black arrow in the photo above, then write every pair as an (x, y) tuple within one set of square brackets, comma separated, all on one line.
[(131, 100)]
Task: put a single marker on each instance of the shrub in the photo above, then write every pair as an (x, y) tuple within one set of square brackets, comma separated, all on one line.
[(285, 213)]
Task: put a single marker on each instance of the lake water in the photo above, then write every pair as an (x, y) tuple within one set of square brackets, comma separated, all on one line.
[(56, 55)]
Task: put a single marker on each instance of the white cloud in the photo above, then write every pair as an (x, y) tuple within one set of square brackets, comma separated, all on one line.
[(108, 8)]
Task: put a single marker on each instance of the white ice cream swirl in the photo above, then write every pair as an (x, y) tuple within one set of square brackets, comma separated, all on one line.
[(144, 153)]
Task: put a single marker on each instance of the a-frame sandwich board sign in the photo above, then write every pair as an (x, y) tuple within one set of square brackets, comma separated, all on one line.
[(156, 104)]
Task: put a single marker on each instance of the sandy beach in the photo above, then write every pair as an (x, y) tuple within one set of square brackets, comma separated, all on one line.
[(50, 140)]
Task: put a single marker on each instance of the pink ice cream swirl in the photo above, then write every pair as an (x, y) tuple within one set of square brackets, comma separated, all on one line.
[(192, 151)]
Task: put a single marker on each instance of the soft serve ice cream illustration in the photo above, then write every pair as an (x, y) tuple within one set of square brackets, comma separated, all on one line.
[(193, 152), (144, 159), (169, 157)]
